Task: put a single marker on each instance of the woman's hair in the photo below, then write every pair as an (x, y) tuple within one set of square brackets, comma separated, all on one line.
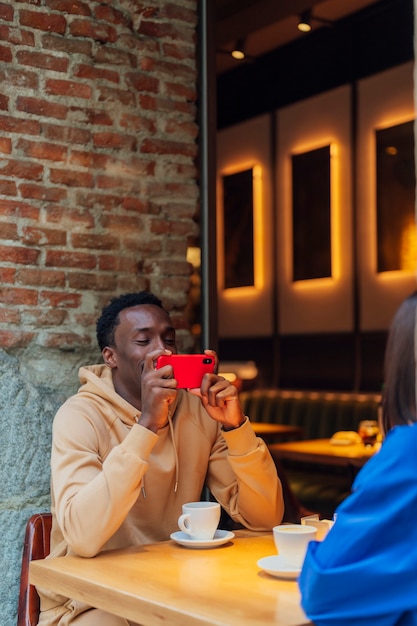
[(399, 395), (109, 318)]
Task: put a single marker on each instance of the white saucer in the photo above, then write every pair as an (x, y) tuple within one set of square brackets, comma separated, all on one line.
[(276, 566), (220, 537)]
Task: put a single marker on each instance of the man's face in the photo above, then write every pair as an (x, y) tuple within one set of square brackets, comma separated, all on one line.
[(142, 329)]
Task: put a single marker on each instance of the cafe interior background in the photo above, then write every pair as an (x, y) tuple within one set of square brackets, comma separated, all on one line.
[(314, 245)]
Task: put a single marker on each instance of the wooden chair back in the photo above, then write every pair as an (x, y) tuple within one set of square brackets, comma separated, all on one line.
[(36, 546)]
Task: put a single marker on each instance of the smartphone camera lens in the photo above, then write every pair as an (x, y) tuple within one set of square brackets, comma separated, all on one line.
[(207, 361)]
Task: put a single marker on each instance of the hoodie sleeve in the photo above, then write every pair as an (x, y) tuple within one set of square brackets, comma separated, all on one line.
[(365, 571), (92, 491), (245, 481)]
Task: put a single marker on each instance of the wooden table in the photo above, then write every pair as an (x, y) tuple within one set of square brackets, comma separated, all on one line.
[(166, 583), (276, 432), (324, 452)]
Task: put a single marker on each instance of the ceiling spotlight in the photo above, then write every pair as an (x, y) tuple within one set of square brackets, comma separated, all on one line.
[(238, 52), (304, 23), (306, 18)]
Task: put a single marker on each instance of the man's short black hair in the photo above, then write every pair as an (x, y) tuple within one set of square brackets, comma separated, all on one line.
[(109, 318)]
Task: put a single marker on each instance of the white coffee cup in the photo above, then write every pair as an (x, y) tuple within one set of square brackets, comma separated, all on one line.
[(291, 541), (199, 520)]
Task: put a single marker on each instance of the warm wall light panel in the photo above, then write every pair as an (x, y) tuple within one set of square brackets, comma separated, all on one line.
[(246, 310), (319, 304), (384, 100)]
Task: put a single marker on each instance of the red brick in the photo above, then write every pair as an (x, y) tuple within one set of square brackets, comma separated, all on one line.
[(135, 204), (69, 46), (9, 231), (18, 208), (141, 82), (10, 316), (96, 73), (5, 145), (162, 146), (43, 236), (165, 105), (42, 192), (15, 339), (113, 16), (59, 298), (92, 282), (71, 178), (42, 60), (56, 214), (178, 51), (16, 36), (188, 93), (4, 102), (22, 78), (17, 254), (122, 223), (94, 241), (66, 258), (73, 7), (6, 54), (7, 275), (21, 169), (42, 150), (41, 278), (97, 32), (6, 12), (114, 140), (172, 11), (68, 88), (66, 134), (16, 295), (18, 125), (7, 188), (37, 106), (43, 21), (115, 56)]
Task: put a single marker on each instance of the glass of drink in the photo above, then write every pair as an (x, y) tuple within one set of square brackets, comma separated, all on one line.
[(368, 431)]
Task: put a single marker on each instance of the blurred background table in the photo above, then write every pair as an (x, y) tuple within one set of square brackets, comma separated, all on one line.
[(324, 452), (271, 433)]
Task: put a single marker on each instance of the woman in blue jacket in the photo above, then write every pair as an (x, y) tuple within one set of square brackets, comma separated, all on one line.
[(365, 571)]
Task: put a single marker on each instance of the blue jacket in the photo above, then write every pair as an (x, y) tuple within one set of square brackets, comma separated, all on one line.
[(365, 571)]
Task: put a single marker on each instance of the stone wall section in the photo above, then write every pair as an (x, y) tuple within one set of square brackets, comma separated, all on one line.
[(98, 196)]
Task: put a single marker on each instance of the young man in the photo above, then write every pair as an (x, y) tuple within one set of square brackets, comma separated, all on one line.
[(129, 449)]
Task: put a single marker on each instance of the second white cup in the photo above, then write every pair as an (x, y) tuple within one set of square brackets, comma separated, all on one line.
[(199, 520), (291, 541)]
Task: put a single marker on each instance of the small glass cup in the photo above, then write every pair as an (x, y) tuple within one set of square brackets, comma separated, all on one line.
[(368, 431)]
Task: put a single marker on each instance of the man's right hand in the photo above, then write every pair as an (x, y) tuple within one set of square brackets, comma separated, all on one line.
[(158, 392)]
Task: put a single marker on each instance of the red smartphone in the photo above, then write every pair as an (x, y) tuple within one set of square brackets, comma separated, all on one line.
[(189, 369)]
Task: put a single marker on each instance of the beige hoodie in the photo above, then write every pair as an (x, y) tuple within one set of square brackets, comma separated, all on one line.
[(117, 484)]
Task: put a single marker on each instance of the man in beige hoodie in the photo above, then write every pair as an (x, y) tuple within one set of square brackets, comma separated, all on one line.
[(130, 448)]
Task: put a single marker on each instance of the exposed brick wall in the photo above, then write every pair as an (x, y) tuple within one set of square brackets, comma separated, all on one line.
[(98, 180)]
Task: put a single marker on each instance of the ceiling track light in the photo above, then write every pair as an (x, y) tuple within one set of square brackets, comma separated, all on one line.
[(238, 52), (306, 18)]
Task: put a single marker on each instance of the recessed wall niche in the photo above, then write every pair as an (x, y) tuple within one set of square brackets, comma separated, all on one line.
[(238, 229), (311, 214), (395, 198)]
